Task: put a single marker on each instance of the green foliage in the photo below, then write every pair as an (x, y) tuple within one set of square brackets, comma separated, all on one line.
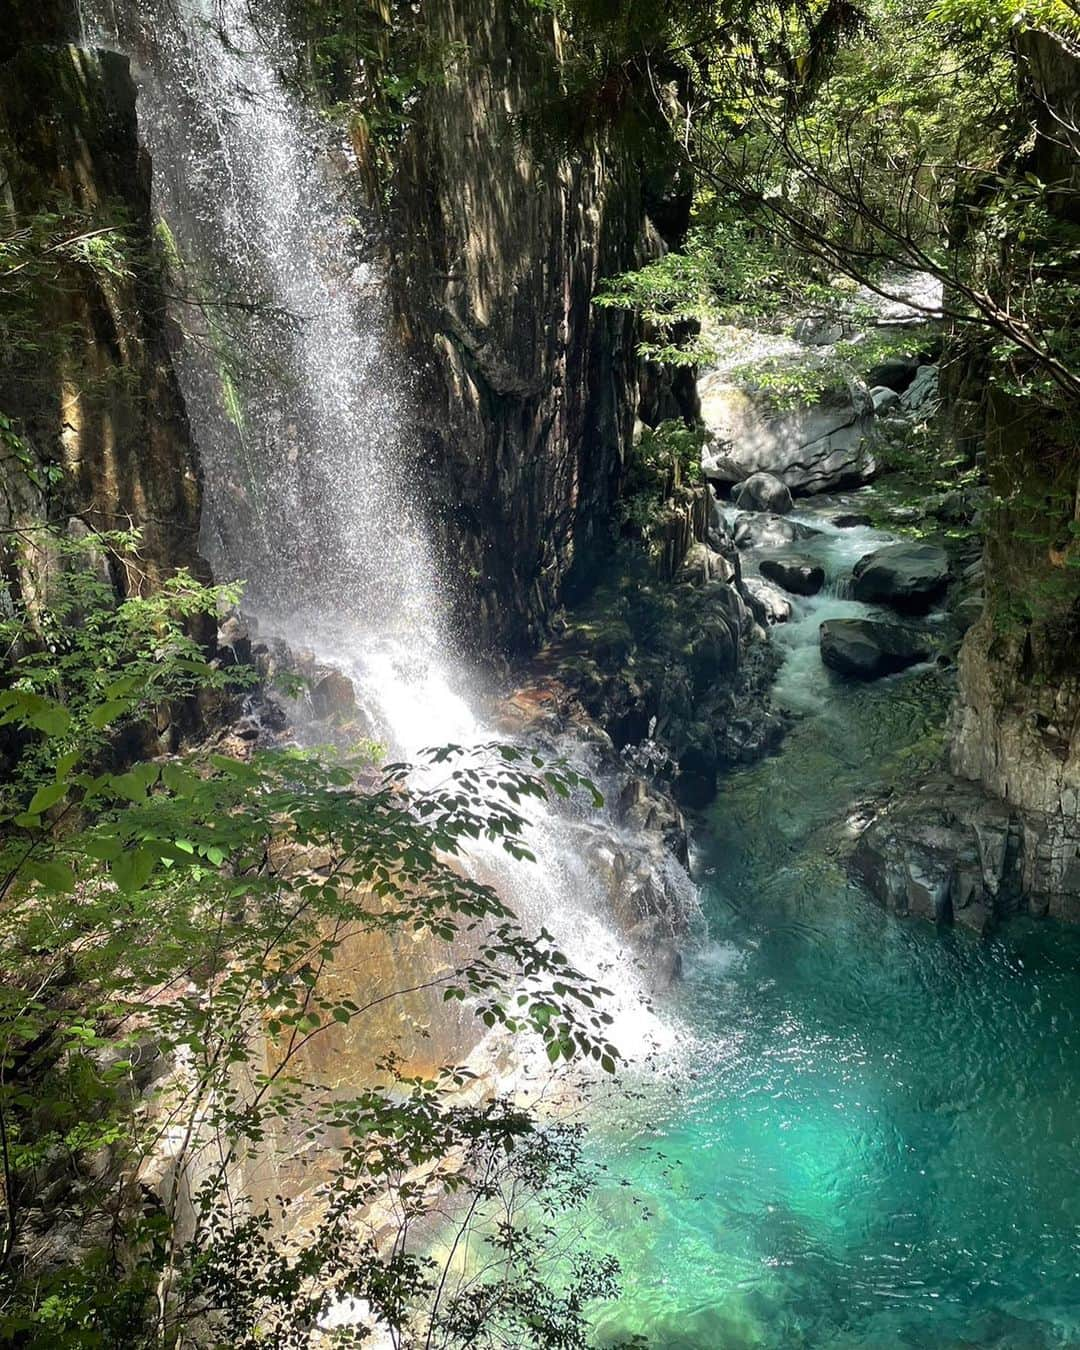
[(178, 934), (855, 140), (85, 664), (665, 459)]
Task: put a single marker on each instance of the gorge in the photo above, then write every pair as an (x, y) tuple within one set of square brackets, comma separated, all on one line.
[(395, 315)]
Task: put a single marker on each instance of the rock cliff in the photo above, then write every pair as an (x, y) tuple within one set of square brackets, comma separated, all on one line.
[(1007, 837), (530, 392), (85, 371)]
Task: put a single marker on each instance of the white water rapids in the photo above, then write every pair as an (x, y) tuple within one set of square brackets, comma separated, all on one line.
[(300, 409)]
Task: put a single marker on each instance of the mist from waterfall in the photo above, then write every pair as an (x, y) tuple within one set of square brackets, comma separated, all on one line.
[(300, 407)]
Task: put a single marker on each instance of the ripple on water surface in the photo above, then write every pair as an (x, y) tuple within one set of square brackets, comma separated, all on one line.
[(875, 1141)]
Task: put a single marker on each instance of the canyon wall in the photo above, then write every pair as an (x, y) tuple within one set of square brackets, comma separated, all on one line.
[(1003, 833), (85, 372), (529, 392), (1017, 728)]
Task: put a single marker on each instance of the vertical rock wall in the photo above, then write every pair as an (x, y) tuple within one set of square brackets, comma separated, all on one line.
[(85, 371), (1017, 728), (529, 391)]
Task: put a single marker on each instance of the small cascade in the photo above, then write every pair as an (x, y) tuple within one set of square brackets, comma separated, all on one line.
[(300, 406), (838, 585)]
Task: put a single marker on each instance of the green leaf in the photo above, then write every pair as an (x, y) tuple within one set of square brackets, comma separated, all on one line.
[(55, 877), (105, 847), (105, 713), (132, 869), (66, 763), (45, 797), (179, 780), (53, 721)]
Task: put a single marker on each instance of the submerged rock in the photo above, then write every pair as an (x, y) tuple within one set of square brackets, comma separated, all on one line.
[(797, 574), (907, 576), (865, 649), (763, 492), (762, 530)]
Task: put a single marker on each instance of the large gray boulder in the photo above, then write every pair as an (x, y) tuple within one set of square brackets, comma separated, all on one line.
[(763, 530), (865, 649), (884, 399), (905, 576), (763, 492), (811, 449), (799, 575), (922, 390), (769, 602), (950, 853)]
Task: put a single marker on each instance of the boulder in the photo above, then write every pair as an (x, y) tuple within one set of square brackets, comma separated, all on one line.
[(922, 391), (763, 492), (865, 649), (799, 575), (770, 603), (811, 449), (333, 698), (850, 520), (763, 530), (720, 469), (950, 852), (967, 612), (822, 330), (884, 398), (906, 576), (703, 563)]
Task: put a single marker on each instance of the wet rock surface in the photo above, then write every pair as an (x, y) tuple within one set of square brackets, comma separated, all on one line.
[(766, 530), (906, 576), (953, 852), (795, 573), (865, 649), (769, 603), (763, 492)]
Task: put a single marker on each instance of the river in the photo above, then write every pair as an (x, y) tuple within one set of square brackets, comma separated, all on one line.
[(870, 1136)]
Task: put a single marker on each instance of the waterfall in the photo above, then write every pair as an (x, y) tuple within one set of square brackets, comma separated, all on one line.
[(300, 407)]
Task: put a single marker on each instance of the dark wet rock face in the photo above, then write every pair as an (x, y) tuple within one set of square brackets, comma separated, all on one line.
[(954, 853), (865, 649), (529, 391), (799, 575), (683, 665), (94, 393), (895, 373), (907, 576)]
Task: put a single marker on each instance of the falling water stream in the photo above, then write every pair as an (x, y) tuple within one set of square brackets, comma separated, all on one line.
[(299, 403), (853, 1132)]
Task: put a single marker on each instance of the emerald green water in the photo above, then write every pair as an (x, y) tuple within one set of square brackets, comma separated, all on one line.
[(868, 1135)]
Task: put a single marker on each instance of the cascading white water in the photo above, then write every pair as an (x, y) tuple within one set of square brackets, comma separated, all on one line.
[(300, 409)]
